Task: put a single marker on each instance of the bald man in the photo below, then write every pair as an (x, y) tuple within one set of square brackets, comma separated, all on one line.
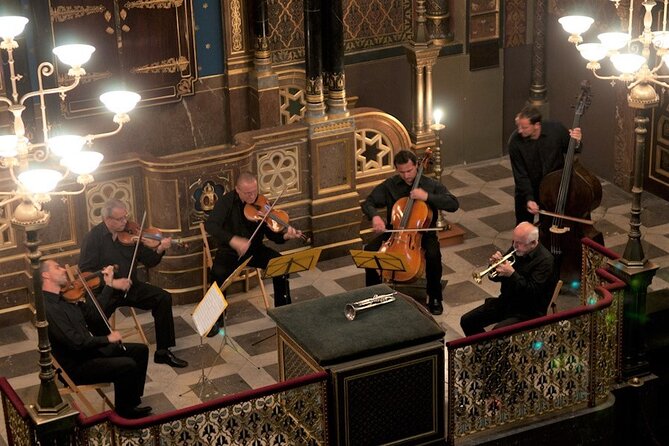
[(527, 284)]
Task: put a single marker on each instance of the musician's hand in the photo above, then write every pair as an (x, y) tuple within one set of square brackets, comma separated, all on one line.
[(576, 133), (532, 207), (165, 243), (122, 284), (378, 225), (418, 194), (239, 244), (108, 275), (496, 257), (292, 233), (505, 269), (114, 337)]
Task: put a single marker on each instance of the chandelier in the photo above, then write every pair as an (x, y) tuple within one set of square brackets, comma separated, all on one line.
[(630, 56), (36, 168)]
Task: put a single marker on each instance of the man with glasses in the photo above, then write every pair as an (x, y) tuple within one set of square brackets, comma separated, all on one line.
[(536, 149), (527, 284), (102, 247)]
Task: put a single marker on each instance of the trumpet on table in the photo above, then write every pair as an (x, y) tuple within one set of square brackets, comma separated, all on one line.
[(353, 308), (491, 269)]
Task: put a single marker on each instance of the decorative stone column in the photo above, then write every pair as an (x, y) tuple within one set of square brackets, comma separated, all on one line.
[(265, 99), (313, 61), (538, 91), (438, 19), (333, 63)]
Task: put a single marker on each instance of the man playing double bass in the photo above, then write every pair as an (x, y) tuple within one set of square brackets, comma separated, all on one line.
[(434, 194), (536, 149)]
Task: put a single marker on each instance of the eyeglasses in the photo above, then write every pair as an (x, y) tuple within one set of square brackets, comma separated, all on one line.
[(124, 218)]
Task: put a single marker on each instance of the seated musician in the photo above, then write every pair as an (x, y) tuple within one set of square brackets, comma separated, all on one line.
[(527, 284), (89, 359), (228, 224), (102, 246), (431, 192)]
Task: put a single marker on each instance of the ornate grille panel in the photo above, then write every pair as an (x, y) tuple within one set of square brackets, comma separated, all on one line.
[(7, 238), (98, 194), (279, 169), (373, 153)]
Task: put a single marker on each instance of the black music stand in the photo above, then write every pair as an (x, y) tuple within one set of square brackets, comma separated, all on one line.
[(378, 260)]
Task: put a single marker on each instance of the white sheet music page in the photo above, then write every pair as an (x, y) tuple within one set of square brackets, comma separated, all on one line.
[(209, 309)]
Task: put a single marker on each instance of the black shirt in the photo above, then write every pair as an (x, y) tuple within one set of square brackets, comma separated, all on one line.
[(533, 159), (99, 250), (394, 188), (227, 220)]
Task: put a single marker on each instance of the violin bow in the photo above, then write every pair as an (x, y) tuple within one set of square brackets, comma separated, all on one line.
[(265, 216), (96, 303), (134, 255), (414, 230)]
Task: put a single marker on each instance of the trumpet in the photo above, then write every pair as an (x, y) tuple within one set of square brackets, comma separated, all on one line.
[(491, 269), (353, 308)]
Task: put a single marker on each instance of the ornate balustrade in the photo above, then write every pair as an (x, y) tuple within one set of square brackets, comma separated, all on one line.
[(290, 412), (559, 362)]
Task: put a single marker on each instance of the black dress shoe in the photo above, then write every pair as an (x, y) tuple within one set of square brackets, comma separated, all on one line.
[(436, 307), (135, 412), (167, 357)]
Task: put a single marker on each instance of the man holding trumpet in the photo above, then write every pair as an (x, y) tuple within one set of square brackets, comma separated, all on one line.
[(527, 284)]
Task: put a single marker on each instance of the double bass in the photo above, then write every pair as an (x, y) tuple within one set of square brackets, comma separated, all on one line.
[(407, 216), (571, 191)]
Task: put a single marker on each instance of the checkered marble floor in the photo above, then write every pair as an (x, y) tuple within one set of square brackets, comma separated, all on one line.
[(246, 358)]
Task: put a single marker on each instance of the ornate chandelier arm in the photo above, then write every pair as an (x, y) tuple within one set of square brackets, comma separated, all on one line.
[(657, 82), (64, 192), (47, 69), (15, 197), (91, 138)]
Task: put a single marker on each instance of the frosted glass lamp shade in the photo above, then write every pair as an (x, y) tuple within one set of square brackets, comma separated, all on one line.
[(627, 63), (614, 41), (74, 55), (40, 181), (576, 24), (120, 102), (66, 145), (8, 145), (593, 52), (83, 163), (12, 26)]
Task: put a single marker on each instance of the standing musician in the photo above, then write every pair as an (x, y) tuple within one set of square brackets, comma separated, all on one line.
[(527, 284), (102, 246), (89, 359), (228, 224), (536, 149), (431, 192)]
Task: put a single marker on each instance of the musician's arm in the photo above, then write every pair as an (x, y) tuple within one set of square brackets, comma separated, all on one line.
[(70, 333), (216, 222), (89, 254), (530, 287), (149, 257), (375, 200), (442, 199), (521, 176)]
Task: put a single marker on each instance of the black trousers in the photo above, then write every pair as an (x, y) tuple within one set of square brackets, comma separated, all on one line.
[(227, 261), (147, 297), (492, 310), (125, 368), (433, 268)]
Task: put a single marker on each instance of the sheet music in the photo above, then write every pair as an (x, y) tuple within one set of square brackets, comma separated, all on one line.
[(209, 309)]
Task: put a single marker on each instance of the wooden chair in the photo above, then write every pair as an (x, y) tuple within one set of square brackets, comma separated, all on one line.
[(552, 305), (78, 391), (246, 275), (127, 332)]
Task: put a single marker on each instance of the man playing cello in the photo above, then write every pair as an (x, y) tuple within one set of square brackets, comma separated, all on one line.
[(430, 191)]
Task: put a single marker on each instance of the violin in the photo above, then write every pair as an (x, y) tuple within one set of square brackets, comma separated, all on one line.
[(74, 290), (151, 237), (277, 220), (409, 216)]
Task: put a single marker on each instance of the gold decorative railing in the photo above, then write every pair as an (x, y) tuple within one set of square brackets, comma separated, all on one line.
[(568, 360), (291, 412)]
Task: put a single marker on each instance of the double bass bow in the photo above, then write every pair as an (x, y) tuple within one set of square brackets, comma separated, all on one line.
[(569, 195), (408, 217)]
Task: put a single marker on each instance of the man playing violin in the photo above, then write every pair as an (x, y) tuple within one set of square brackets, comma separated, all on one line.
[(527, 284), (536, 149), (89, 359), (432, 192), (102, 246), (233, 230)]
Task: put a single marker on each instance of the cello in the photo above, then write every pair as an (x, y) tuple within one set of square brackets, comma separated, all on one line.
[(571, 191), (408, 216)]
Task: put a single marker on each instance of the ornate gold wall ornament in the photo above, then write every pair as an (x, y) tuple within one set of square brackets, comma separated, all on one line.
[(336, 81), (98, 193), (373, 153), (171, 65), (65, 13), (236, 23), (279, 169), (314, 86), (338, 126), (7, 235), (86, 78), (293, 104), (154, 4), (185, 86)]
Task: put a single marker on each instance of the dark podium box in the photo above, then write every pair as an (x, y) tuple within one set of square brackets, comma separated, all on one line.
[(386, 366)]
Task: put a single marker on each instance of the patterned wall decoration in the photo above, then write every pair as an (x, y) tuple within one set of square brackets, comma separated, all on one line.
[(204, 191), (98, 193), (208, 37), (278, 169), (367, 24), (373, 153), (7, 235), (292, 93), (515, 23)]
